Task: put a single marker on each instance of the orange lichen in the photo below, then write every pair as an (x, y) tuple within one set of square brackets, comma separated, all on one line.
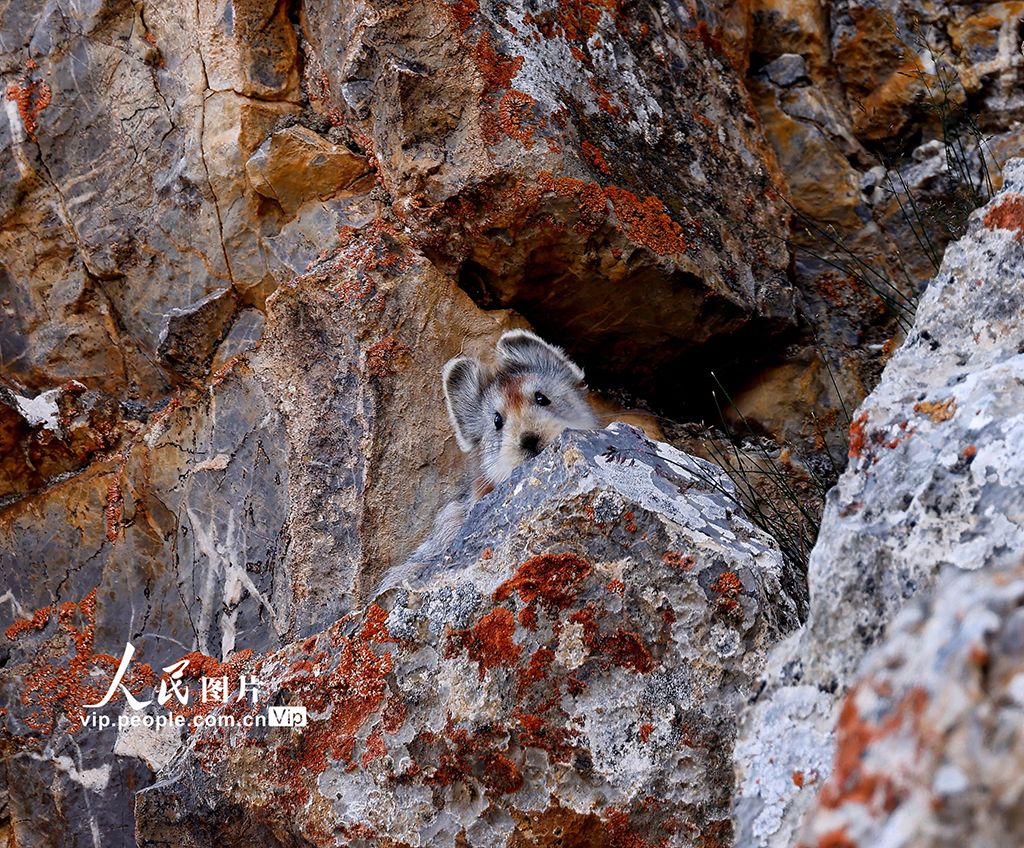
[(937, 411), (489, 643), (516, 116), (375, 627), (646, 729), (374, 749), (1008, 215), (548, 579), (677, 560), (728, 583), (61, 685), (362, 253), (728, 587), (850, 781), (496, 69), (501, 775), (616, 586), (596, 158), (836, 839), (114, 509), (463, 12), (627, 649), (384, 357), (348, 693), (32, 97), (647, 221), (537, 668), (858, 435)]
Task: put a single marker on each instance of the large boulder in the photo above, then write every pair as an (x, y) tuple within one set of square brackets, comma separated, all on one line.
[(569, 673), (928, 741), (934, 479)]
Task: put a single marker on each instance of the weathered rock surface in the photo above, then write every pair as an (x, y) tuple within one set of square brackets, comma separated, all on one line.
[(934, 480), (569, 675), (241, 515), (862, 140), (928, 742), (599, 169), (622, 173), (353, 353)]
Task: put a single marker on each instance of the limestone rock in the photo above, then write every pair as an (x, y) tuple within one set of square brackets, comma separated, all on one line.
[(602, 172), (928, 740), (295, 165), (571, 671), (353, 351), (934, 480)]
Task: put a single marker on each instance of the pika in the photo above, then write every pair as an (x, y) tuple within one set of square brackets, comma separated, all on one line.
[(504, 414), (508, 414)]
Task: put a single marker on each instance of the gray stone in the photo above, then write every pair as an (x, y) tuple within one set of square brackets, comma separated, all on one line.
[(574, 664), (934, 480), (929, 736), (787, 70)]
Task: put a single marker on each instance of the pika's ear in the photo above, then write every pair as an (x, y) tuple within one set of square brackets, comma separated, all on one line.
[(464, 397), (526, 351)]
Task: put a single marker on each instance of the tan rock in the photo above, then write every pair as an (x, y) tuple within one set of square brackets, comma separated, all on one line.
[(295, 165)]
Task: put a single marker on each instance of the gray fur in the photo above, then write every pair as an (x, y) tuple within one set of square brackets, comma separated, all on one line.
[(463, 381), (526, 365)]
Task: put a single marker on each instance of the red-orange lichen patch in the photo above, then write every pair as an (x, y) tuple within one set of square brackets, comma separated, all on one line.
[(647, 221), (463, 12), (549, 579), (56, 685), (646, 729), (497, 70), (616, 586), (1008, 215), (623, 648), (384, 357), (728, 587), (627, 649), (501, 775), (684, 562), (596, 158), (374, 749), (489, 643), (32, 97), (836, 839), (375, 627), (375, 247), (858, 435), (114, 509), (537, 668), (349, 693), (850, 781), (516, 116)]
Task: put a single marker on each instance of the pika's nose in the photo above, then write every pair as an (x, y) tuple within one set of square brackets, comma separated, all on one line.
[(530, 442)]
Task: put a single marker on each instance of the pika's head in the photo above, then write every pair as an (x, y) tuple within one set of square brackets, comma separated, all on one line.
[(510, 413)]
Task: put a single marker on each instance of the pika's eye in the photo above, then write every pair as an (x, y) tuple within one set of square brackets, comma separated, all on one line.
[(542, 399), (498, 421)]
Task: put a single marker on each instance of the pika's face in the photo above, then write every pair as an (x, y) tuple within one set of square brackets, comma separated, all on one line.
[(513, 414)]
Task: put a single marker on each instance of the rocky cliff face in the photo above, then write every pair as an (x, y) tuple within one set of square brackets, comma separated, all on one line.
[(934, 484), (239, 239)]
